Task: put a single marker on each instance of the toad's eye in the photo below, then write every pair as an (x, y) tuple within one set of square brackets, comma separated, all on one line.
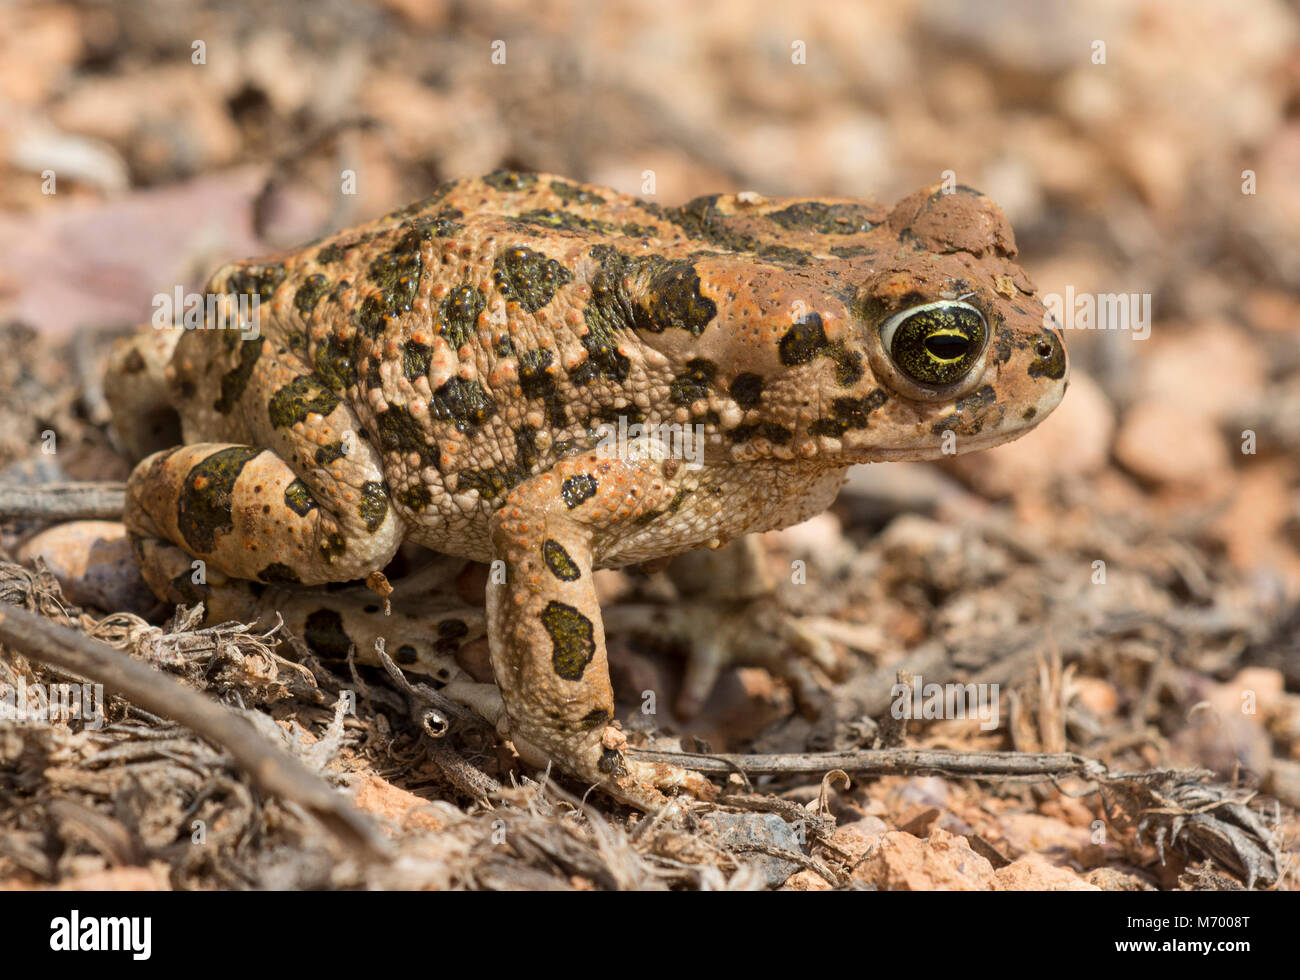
[(936, 344)]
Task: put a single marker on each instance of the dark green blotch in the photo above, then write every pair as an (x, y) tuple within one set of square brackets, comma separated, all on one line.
[(235, 381), (337, 251), (510, 180), (424, 204), (298, 498), (415, 233), (257, 279), (770, 431), (528, 277), (966, 415), (335, 363), (699, 218), (415, 360), (980, 398), (673, 299), (784, 254), (611, 414), (824, 219), (463, 402), (747, 389), (562, 566), (299, 398), (849, 413), (578, 489), (537, 381), (565, 221), (330, 453), (803, 341), (574, 194), (325, 635), (848, 365), (400, 432), (650, 516), (496, 481), (693, 383), (333, 545), (460, 312), (397, 272), (278, 572), (405, 655), (415, 497), (204, 505), (1002, 349), (374, 505), (573, 643), (607, 312), (309, 294)]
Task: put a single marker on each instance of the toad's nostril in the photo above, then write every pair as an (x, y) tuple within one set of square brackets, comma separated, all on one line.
[(1044, 349)]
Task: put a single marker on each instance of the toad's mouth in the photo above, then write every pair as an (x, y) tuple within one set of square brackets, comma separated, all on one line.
[(964, 445)]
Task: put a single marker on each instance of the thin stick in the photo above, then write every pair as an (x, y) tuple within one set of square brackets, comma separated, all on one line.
[(63, 502), (885, 762), (271, 767)]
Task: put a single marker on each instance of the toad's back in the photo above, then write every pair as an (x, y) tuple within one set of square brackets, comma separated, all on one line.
[(493, 328)]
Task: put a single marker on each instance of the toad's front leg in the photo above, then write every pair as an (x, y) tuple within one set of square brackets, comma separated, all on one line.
[(544, 626)]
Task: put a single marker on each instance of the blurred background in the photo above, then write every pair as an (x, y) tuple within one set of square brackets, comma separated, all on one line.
[(1147, 147)]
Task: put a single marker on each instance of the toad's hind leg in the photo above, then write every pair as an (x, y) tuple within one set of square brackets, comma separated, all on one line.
[(544, 627), (135, 386), (244, 512)]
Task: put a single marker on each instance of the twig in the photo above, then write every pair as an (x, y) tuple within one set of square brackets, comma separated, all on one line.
[(836, 879), (63, 502), (273, 769), (884, 762), (434, 714)]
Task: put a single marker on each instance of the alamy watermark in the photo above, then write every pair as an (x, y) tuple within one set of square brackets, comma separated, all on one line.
[(74, 933), (640, 441), (49, 704), (208, 311), (947, 701), (1099, 311)]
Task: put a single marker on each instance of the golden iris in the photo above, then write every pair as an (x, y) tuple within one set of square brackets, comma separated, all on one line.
[(936, 344)]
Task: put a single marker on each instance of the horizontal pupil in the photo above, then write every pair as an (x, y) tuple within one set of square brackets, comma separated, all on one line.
[(946, 346)]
